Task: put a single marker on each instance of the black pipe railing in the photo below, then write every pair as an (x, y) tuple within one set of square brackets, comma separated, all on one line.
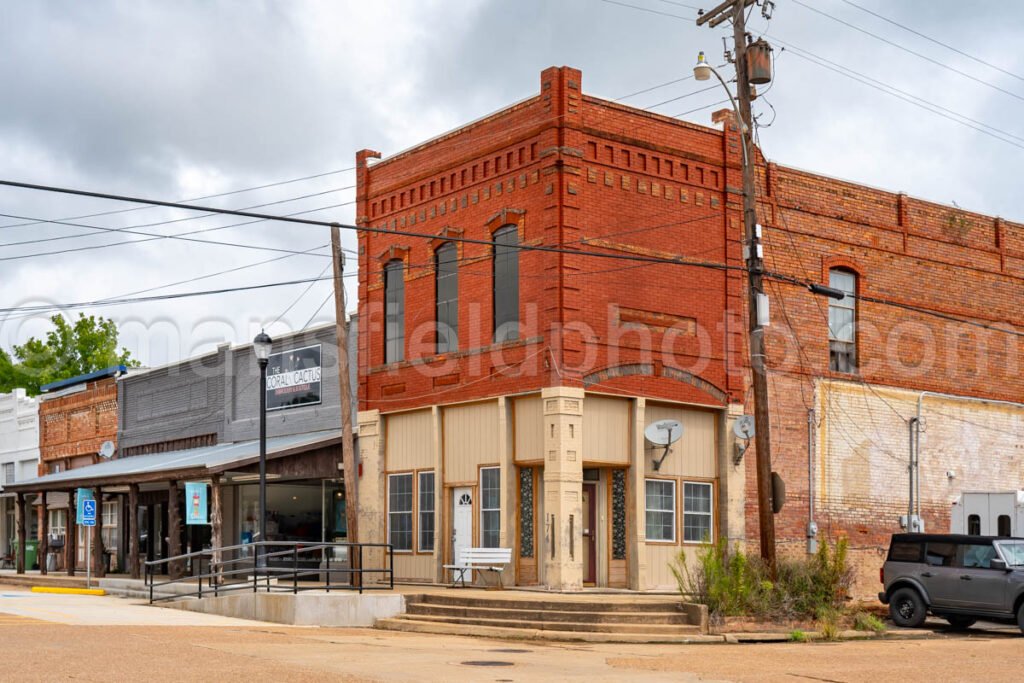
[(254, 565)]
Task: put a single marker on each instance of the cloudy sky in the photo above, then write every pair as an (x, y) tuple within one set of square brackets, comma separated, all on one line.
[(178, 100)]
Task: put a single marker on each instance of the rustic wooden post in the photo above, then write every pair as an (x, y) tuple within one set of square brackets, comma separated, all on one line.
[(217, 520), (19, 523), (133, 530), (97, 538), (71, 540), (174, 569), (44, 533)]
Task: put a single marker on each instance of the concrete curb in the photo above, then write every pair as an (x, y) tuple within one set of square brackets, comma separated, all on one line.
[(68, 591)]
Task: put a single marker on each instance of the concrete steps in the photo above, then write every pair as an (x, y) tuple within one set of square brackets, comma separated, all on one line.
[(625, 621)]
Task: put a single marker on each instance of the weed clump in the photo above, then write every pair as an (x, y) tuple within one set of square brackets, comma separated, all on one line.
[(732, 583)]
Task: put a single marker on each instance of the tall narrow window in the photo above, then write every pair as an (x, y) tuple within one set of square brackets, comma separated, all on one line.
[(400, 511), (697, 516), (506, 284), (394, 312), (842, 322), (973, 525), (447, 268), (661, 510), (490, 507), (426, 518)]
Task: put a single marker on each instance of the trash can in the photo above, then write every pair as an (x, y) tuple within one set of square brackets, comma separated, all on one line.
[(31, 552)]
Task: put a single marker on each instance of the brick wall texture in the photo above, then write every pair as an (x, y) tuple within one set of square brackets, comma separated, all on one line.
[(584, 174), (73, 427)]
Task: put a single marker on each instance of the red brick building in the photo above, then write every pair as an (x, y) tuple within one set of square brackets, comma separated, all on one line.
[(518, 420), (76, 417)]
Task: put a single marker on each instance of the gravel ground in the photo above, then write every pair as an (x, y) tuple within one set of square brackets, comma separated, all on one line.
[(36, 646)]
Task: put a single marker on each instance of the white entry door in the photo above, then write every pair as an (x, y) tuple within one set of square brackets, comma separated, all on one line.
[(462, 523)]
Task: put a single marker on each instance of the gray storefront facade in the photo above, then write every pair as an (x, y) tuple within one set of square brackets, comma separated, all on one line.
[(197, 422)]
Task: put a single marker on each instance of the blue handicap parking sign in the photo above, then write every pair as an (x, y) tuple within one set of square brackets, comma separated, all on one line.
[(88, 512)]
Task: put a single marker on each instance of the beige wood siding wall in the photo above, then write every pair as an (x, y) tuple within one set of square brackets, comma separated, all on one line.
[(408, 442), (659, 560), (695, 454), (471, 438), (606, 430), (414, 567), (528, 414)]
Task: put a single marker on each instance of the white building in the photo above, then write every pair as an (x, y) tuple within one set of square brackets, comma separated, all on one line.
[(19, 460)]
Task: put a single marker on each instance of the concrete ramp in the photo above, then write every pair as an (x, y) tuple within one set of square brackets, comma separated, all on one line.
[(313, 608)]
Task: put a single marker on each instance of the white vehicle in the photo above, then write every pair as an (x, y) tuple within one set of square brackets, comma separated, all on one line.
[(979, 513)]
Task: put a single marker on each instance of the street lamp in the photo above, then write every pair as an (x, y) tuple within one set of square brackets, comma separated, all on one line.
[(702, 71), (261, 349)]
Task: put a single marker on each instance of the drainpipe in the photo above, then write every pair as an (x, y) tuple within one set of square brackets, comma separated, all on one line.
[(917, 434), (914, 435), (812, 526)]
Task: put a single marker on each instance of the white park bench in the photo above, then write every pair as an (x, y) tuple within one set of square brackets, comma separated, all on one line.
[(480, 559)]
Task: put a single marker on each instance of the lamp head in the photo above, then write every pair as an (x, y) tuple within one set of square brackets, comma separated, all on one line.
[(702, 70), (261, 347)]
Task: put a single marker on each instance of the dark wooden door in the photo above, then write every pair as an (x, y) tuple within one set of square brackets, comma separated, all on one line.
[(590, 533)]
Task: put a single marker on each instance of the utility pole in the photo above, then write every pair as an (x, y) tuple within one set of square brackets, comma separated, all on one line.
[(347, 451), (755, 271)]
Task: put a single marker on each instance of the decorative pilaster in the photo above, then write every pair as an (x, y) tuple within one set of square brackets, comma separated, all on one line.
[(563, 487)]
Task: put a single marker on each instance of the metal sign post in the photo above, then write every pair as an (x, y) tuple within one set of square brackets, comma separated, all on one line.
[(87, 515)]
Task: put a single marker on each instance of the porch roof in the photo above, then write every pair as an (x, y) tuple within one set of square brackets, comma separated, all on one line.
[(203, 461)]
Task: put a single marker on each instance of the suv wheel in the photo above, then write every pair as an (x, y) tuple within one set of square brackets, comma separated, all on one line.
[(906, 607), (1020, 616), (961, 623)]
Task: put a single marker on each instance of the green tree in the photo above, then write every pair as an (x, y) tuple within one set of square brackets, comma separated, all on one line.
[(70, 349)]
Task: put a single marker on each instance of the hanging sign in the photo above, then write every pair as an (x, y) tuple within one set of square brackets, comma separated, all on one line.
[(195, 503), (293, 378)]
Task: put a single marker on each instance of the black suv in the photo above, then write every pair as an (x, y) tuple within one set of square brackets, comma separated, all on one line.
[(959, 578)]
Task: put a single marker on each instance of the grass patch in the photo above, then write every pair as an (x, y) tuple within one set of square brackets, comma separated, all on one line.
[(863, 621), (798, 636)]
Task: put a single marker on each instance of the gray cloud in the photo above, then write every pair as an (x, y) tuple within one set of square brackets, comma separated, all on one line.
[(182, 99)]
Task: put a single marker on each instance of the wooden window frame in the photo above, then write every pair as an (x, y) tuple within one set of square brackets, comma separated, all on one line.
[(416, 504), (675, 512), (412, 510)]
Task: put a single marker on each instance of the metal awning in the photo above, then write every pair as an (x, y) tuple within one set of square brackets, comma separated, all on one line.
[(193, 462)]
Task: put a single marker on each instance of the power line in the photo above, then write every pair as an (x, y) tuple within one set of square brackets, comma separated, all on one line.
[(922, 103), (161, 297), (151, 235), (653, 87), (197, 199), (130, 228), (645, 9), (908, 50), (893, 91), (367, 229), (933, 40), (184, 282)]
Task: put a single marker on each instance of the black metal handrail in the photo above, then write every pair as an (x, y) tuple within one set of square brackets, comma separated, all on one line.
[(254, 561)]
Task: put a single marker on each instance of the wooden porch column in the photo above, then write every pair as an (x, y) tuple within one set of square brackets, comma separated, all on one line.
[(174, 569), (97, 538), (133, 530), (44, 533), (19, 523), (71, 539), (216, 518)]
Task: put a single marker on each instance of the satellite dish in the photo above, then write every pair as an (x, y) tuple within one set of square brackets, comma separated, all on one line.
[(664, 432), (107, 450), (743, 427)]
